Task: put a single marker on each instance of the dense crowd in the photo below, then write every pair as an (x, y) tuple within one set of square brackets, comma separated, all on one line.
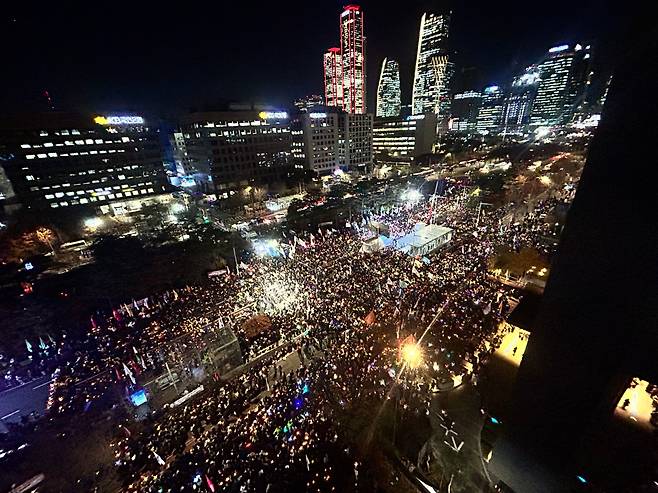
[(284, 434)]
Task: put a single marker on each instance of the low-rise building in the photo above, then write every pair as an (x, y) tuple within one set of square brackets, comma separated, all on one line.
[(239, 148), (61, 160)]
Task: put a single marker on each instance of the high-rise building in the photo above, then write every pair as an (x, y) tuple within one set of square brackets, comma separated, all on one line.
[(464, 111), (388, 89), (491, 110), (353, 54), (57, 161), (355, 142), (307, 103), (434, 69), (325, 141), (333, 78), (404, 139), (563, 78), (518, 102), (239, 148)]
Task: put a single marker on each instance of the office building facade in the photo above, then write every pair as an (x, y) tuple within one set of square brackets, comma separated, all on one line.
[(563, 78), (333, 78), (399, 139), (388, 89), (519, 100), (325, 141), (239, 148), (353, 55), (491, 110), (464, 111), (434, 69), (58, 161)]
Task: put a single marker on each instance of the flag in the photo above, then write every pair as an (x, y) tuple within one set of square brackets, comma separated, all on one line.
[(175, 295), (127, 372), (116, 314), (93, 322), (210, 484), (127, 309), (29, 346), (158, 458), (42, 345), (52, 341), (370, 318)]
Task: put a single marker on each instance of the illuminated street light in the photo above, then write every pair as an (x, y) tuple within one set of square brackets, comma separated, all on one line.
[(411, 354), (411, 196), (177, 208), (93, 223), (545, 180)]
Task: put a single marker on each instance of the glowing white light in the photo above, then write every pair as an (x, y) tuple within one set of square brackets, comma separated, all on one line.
[(177, 208), (542, 132), (317, 115), (275, 115), (557, 49), (119, 120), (93, 222), (415, 117)]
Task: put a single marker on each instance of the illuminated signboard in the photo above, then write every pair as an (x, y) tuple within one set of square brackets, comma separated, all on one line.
[(556, 49), (119, 120), (138, 398), (273, 115), (317, 115), (415, 117)]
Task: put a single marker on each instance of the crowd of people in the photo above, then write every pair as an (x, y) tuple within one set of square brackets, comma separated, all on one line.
[(346, 310), (285, 434)]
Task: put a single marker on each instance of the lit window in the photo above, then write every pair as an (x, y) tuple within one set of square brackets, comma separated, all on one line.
[(30, 156), (26, 146), (54, 205), (52, 154), (48, 144), (89, 141), (50, 196), (29, 178), (80, 142), (41, 156)]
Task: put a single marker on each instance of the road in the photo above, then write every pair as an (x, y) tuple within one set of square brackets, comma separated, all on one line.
[(23, 400)]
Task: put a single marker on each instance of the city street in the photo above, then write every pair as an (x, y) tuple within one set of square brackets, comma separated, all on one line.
[(24, 400)]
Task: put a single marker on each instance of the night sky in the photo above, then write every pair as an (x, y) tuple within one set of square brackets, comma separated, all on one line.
[(164, 58)]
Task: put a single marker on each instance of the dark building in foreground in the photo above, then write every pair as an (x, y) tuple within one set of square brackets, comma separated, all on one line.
[(62, 160), (239, 148), (597, 326)]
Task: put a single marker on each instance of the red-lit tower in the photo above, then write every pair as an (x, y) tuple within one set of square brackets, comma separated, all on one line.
[(333, 78), (353, 53)]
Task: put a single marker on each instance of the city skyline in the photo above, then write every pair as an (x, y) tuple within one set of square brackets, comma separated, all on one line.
[(105, 63)]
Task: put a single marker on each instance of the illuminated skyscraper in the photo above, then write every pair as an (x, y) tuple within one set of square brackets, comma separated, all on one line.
[(353, 54), (433, 68), (388, 89), (464, 111), (518, 102), (491, 109), (333, 78), (563, 79)]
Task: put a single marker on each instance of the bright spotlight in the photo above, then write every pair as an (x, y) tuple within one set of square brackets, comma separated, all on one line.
[(542, 132), (177, 208), (93, 222), (411, 354)]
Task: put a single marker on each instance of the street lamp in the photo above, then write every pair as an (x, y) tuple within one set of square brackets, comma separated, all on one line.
[(411, 354)]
